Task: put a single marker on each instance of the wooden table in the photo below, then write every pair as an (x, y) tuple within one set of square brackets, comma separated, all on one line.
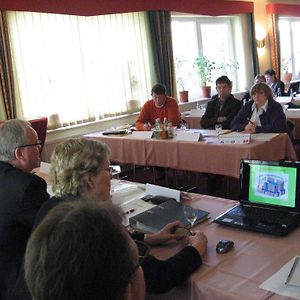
[(237, 274), (195, 156)]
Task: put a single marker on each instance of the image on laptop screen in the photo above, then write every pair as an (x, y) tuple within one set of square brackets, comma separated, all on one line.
[(273, 185)]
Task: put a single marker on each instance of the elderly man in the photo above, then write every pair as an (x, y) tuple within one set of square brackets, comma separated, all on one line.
[(222, 108), (21, 195), (159, 107)]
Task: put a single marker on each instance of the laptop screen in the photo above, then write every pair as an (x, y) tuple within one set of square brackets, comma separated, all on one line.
[(269, 183)]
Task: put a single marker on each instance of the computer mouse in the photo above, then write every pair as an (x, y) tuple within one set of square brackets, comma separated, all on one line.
[(224, 246)]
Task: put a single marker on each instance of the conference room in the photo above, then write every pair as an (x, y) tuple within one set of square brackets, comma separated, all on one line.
[(88, 68)]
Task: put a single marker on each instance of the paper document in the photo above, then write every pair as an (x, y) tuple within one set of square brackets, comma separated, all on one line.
[(191, 136), (140, 135), (286, 281), (263, 137)]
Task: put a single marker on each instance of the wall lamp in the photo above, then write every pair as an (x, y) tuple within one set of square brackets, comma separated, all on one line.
[(260, 43)]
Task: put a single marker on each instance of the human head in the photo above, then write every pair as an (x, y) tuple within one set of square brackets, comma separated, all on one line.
[(19, 145), (270, 76), (260, 93), (80, 167), (81, 251), (223, 87), (259, 78), (158, 93)]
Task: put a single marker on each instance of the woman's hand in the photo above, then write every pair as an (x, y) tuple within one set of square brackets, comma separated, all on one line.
[(165, 235)]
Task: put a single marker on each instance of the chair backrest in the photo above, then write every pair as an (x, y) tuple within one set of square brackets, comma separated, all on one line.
[(40, 126)]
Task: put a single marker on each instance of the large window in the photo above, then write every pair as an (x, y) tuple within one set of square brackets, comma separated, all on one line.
[(80, 68), (289, 29), (219, 39)]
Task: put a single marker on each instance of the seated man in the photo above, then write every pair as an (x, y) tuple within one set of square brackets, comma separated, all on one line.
[(159, 107), (21, 195), (261, 114), (81, 251), (222, 108), (276, 85)]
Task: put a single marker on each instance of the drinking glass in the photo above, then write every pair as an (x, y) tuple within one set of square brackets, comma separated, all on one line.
[(218, 128), (191, 214)]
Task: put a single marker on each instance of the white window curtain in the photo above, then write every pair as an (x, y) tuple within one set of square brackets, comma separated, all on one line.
[(221, 39), (79, 68)]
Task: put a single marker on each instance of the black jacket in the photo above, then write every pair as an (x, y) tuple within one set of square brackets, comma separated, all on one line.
[(160, 275), (229, 110), (21, 196)]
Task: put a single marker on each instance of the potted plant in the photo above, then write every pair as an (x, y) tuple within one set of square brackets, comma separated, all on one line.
[(183, 94), (204, 68)]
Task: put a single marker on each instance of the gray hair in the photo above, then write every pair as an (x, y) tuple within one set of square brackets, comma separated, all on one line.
[(13, 134)]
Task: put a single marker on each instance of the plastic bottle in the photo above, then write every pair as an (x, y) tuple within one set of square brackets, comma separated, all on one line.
[(278, 92)]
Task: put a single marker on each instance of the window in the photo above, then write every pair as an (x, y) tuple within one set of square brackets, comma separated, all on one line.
[(80, 68), (289, 28), (215, 37)]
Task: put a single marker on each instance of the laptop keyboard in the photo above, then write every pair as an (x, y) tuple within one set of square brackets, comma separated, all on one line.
[(265, 215)]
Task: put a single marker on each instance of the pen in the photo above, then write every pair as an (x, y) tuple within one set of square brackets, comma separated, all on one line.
[(250, 121), (292, 270)]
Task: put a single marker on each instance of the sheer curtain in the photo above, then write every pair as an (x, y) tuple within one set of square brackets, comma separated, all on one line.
[(79, 68)]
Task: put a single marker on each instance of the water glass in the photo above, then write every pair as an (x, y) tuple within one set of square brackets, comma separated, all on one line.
[(218, 128), (191, 214)]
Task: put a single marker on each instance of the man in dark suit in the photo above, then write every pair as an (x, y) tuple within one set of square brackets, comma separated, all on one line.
[(223, 107), (21, 195)]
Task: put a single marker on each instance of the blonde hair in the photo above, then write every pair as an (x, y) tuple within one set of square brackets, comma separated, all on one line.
[(71, 161)]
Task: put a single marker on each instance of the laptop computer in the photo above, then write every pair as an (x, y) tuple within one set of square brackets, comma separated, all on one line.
[(269, 198)]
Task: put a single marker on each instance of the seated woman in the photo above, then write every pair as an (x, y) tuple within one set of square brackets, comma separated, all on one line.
[(261, 114), (80, 168)]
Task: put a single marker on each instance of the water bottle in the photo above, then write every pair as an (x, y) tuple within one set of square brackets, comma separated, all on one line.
[(279, 92), (157, 124), (198, 106)]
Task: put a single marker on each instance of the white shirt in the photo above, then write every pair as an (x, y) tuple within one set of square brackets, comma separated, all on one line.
[(257, 112)]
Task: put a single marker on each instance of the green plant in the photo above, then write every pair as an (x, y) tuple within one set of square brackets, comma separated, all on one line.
[(285, 63), (225, 67), (204, 68), (180, 74)]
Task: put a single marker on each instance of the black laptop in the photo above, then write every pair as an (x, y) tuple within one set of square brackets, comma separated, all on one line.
[(269, 198)]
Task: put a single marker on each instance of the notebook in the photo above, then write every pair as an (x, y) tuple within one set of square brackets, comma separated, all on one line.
[(269, 198), (154, 219)]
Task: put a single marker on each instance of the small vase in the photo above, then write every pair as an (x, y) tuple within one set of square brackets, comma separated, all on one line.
[(205, 91), (184, 96)]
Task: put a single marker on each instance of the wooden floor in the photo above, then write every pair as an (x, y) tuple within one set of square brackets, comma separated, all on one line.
[(202, 183)]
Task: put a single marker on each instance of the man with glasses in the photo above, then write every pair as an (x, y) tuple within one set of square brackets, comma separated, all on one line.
[(21, 195)]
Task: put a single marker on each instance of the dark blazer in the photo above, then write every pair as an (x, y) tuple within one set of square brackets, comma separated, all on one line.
[(160, 275), (230, 108), (21, 196), (278, 88), (272, 120), (294, 87)]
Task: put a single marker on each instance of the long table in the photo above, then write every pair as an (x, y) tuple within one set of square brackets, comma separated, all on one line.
[(193, 121), (195, 156), (237, 274)]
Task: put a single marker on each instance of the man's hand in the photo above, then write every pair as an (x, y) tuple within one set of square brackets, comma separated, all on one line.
[(147, 126), (221, 119)]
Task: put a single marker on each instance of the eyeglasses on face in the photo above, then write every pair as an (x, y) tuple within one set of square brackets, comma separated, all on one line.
[(38, 143)]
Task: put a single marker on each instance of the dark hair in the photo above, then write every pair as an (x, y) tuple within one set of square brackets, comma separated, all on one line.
[(262, 87), (260, 78), (223, 79), (79, 251), (158, 89), (270, 72)]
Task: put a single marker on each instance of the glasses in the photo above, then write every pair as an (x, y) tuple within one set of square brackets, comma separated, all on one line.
[(38, 143)]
